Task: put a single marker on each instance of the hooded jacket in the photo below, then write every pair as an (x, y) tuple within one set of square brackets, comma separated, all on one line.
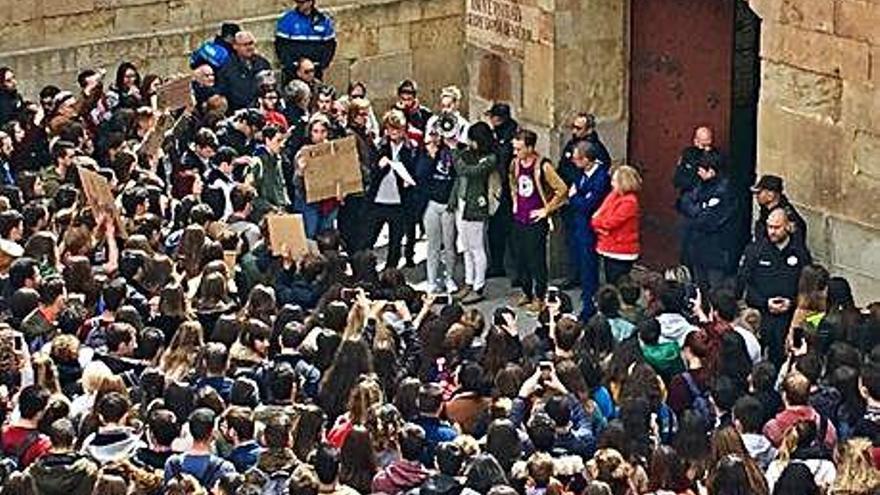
[(674, 328), (64, 474), (399, 476), (664, 357), (760, 448), (112, 445)]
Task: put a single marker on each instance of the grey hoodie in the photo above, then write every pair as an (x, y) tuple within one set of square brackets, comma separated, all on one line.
[(674, 328), (112, 444), (760, 448)]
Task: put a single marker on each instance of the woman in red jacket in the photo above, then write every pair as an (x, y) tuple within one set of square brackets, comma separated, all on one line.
[(616, 224)]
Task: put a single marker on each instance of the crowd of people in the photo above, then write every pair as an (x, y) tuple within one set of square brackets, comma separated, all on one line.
[(160, 344)]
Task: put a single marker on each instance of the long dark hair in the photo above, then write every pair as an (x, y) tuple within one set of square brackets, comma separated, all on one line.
[(357, 459), (353, 358), (481, 134), (120, 75)]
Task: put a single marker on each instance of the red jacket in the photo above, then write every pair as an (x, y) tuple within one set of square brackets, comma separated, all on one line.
[(616, 223)]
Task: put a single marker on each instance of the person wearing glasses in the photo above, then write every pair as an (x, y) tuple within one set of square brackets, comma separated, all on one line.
[(237, 80), (583, 130), (305, 31)]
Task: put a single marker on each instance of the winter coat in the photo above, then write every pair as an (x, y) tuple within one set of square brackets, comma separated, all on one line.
[(710, 214), (399, 476), (472, 184), (64, 474), (616, 224), (237, 80), (674, 328), (311, 36)]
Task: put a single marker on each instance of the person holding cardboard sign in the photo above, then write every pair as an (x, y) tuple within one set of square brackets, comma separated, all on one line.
[(319, 215)]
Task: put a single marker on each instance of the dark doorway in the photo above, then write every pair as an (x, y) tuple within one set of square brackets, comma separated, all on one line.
[(684, 65)]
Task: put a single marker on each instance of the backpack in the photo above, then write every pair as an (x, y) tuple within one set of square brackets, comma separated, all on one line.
[(259, 482), (701, 402), (206, 477), (10, 461)]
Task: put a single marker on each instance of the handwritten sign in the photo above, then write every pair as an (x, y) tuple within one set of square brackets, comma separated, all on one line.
[(332, 169), (506, 26), (287, 234), (99, 196), (174, 94)]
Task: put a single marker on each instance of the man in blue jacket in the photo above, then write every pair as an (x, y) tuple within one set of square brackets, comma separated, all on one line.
[(305, 32), (591, 182)]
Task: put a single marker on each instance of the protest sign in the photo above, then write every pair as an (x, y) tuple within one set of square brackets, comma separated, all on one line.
[(287, 233), (174, 94), (332, 169)]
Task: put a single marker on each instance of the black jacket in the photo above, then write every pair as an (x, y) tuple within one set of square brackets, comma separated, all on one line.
[(237, 80), (710, 213), (407, 156), (800, 226), (767, 271), (436, 175), (567, 170), (685, 178), (10, 105)]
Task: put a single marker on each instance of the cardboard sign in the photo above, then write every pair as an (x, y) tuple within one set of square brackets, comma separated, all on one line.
[(99, 196), (152, 142), (174, 94), (287, 232), (332, 169)]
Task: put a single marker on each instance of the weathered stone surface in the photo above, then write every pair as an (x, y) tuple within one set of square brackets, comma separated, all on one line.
[(816, 15), (538, 98), (802, 92), (382, 73), (89, 25), (866, 155), (139, 19), (804, 151), (859, 20), (855, 246), (440, 34), (394, 38), (818, 232), (60, 8), (357, 40), (815, 51), (591, 77), (861, 106)]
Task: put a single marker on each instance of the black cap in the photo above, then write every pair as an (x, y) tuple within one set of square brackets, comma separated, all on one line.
[(769, 183), (501, 110), (229, 29)]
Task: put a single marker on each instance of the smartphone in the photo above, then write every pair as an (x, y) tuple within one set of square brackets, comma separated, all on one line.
[(442, 299), (348, 295), (546, 368), (18, 342), (552, 294), (797, 337)]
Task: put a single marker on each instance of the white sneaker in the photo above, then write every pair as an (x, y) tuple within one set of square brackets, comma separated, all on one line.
[(451, 287)]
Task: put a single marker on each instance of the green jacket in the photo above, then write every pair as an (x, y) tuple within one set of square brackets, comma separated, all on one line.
[(270, 186), (665, 358), (472, 174)]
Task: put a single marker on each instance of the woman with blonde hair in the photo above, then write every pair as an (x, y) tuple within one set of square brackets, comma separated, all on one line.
[(182, 354), (616, 224), (93, 377), (856, 474), (801, 446)]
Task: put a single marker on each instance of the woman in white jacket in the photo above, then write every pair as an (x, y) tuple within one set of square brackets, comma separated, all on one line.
[(800, 446)]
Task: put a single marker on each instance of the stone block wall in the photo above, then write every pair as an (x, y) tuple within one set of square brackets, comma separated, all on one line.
[(380, 41), (819, 125)]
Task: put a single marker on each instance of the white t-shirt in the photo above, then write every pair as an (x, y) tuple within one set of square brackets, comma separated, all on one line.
[(753, 347)]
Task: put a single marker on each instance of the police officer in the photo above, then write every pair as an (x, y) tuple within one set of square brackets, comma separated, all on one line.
[(585, 195), (709, 211), (305, 32), (583, 130), (218, 51), (769, 274), (769, 196)]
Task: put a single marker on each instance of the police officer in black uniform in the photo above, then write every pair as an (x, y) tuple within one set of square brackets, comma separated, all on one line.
[(769, 274), (685, 178), (709, 211), (504, 128), (769, 196)]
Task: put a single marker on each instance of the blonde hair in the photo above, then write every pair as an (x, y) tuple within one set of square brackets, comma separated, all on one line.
[(628, 179), (65, 348), (183, 352), (394, 119), (855, 471), (95, 373), (451, 92)]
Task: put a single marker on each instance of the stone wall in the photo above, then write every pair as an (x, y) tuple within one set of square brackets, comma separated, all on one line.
[(380, 41), (819, 126), (541, 56)]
